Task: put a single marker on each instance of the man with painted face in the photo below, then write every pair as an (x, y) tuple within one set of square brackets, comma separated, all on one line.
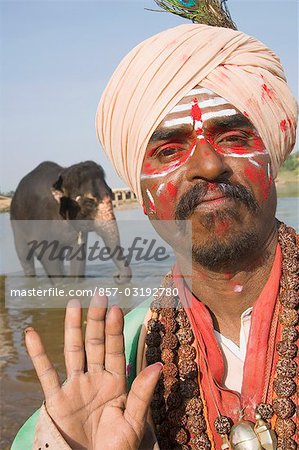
[(197, 120)]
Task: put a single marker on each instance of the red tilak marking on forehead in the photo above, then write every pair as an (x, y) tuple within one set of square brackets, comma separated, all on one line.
[(195, 110)]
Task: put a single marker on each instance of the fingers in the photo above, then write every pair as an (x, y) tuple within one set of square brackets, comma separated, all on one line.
[(140, 396), (114, 342), (73, 342), (45, 370), (95, 333)]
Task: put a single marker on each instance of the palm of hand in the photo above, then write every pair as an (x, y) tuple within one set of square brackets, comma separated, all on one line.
[(92, 410)]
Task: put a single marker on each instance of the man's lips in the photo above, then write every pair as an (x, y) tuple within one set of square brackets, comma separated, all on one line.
[(214, 199)]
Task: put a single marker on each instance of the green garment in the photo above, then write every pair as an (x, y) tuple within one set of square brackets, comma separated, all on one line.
[(133, 322)]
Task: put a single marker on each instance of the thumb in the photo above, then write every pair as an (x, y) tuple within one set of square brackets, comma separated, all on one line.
[(140, 396)]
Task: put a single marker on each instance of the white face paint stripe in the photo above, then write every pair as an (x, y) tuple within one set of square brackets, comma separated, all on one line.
[(150, 196), (200, 91), (160, 188), (180, 121), (216, 101), (269, 170), (206, 116), (247, 155), (222, 113)]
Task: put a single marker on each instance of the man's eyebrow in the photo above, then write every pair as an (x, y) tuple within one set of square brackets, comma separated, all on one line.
[(229, 122), (164, 134)]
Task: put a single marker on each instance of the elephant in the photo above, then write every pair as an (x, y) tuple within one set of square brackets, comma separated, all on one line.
[(73, 201)]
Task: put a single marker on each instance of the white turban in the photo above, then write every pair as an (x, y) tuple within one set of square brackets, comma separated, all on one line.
[(160, 71)]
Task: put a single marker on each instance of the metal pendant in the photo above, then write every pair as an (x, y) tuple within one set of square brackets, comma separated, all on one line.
[(243, 437), (265, 435)]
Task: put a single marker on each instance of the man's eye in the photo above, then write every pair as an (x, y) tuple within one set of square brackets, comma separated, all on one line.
[(232, 138), (169, 151)]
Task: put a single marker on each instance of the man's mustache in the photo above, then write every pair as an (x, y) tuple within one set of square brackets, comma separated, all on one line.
[(196, 195)]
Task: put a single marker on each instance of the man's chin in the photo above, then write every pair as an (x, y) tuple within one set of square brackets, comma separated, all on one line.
[(228, 250), (217, 220)]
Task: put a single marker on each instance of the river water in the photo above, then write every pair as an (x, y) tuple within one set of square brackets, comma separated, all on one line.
[(20, 391)]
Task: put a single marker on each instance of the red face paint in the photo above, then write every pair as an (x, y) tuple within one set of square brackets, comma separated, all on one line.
[(258, 177), (179, 158), (171, 189), (222, 227), (196, 116)]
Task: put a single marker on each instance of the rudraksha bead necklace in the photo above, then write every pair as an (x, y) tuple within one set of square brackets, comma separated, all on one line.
[(177, 406)]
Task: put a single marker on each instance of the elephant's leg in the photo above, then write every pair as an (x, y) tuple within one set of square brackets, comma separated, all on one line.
[(53, 268), (106, 227), (21, 245), (78, 263)]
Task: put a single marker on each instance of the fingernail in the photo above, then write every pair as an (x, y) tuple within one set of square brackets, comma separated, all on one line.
[(28, 329), (159, 364)]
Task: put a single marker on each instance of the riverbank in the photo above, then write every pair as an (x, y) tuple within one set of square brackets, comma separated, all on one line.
[(4, 204)]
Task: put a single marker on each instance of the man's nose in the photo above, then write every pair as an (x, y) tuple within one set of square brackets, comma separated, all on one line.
[(206, 163)]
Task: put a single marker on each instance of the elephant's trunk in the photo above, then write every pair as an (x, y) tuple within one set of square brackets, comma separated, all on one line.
[(106, 227)]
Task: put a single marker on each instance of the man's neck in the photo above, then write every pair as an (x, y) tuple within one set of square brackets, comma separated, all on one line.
[(228, 294)]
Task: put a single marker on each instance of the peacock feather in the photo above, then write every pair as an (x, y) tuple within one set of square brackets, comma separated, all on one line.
[(209, 12)]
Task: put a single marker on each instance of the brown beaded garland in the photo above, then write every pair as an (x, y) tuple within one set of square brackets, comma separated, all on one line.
[(286, 368), (153, 355), (223, 425), (197, 424), (185, 336), (264, 410), (187, 352), (289, 299), (288, 317), (287, 349), (284, 387), (167, 356), (284, 408), (285, 428), (170, 370), (290, 334), (181, 396), (187, 368), (286, 444), (179, 436), (194, 407), (153, 339), (169, 340)]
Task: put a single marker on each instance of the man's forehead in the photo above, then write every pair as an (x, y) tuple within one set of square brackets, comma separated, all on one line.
[(214, 110), (201, 93)]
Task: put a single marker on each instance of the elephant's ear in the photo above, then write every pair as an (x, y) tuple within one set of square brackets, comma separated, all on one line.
[(56, 189), (60, 198)]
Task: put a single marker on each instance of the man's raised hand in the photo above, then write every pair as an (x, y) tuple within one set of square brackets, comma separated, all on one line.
[(92, 409)]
